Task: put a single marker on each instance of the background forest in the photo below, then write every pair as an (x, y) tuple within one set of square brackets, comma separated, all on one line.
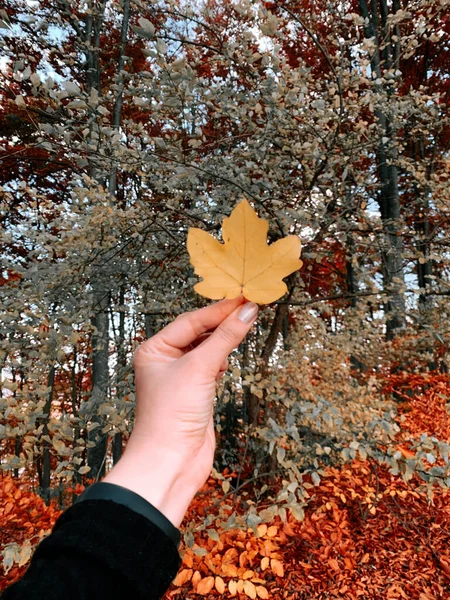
[(124, 123)]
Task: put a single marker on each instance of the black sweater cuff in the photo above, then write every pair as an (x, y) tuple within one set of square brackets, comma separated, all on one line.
[(124, 496)]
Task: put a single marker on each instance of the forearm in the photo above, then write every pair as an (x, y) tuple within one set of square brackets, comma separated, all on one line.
[(157, 474)]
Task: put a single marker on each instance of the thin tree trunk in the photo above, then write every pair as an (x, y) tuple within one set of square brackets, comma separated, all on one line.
[(121, 370), (149, 324), (117, 114), (112, 188), (388, 197), (44, 460), (97, 438), (74, 398)]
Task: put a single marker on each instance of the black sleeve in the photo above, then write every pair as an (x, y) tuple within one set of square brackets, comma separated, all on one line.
[(98, 550)]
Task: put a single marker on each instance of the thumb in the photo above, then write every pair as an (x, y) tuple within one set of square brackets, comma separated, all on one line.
[(226, 337)]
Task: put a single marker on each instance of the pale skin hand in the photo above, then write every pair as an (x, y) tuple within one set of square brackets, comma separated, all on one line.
[(170, 452)]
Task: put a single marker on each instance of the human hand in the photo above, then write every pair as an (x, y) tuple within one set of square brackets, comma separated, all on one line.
[(170, 452)]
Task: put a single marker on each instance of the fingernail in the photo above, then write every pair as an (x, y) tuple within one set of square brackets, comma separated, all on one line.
[(248, 312)]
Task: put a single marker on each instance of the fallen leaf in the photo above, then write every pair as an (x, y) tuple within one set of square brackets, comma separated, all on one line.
[(333, 563), (249, 589), (244, 263), (220, 585), (232, 587), (188, 559), (243, 559), (229, 570), (248, 574), (262, 592), (183, 577), (196, 577), (272, 531), (261, 529), (205, 586), (277, 567)]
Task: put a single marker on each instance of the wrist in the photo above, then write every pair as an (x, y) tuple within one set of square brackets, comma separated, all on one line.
[(158, 475)]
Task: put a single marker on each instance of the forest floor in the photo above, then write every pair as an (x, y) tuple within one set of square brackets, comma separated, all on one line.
[(366, 533)]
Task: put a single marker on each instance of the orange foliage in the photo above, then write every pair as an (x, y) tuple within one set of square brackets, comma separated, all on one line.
[(366, 533), (24, 516)]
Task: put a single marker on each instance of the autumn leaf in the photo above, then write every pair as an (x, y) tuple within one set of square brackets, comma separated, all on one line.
[(220, 585), (262, 592), (264, 563), (272, 531), (196, 578), (244, 263), (229, 570), (183, 577), (277, 567), (250, 589), (232, 587), (205, 586), (248, 574), (261, 529)]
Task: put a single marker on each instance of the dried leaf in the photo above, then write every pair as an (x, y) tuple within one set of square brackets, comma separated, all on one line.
[(244, 263), (232, 587), (277, 567), (183, 577), (249, 589), (220, 585), (333, 564), (205, 586), (262, 592), (272, 531), (229, 570), (196, 577), (248, 574), (261, 529)]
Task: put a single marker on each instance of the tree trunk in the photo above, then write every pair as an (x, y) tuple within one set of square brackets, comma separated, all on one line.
[(385, 56), (97, 439), (149, 325), (112, 188), (44, 465), (117, 114), (100, 383), (120, 374), (76, 429)]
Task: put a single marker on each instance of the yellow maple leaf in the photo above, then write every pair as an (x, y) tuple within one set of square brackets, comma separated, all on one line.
[(244, 263)]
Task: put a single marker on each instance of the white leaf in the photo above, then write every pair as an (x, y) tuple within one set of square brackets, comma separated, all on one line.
[(161, 46), (147, 26), (35, 79), (71, 88), (20, 101)]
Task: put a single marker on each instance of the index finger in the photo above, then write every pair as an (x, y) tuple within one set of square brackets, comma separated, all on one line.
[(189, 326)]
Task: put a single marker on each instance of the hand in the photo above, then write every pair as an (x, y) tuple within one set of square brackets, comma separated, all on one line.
[(170, 452)]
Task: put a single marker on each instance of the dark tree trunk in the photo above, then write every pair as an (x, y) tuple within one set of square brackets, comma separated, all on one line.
[(97, 438), (44, 464), (385, 56)]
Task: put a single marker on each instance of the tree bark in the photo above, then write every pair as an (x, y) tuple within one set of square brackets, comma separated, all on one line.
[(100, 383), (44, 465), (384, 57), (120, 373), (97, 439)]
